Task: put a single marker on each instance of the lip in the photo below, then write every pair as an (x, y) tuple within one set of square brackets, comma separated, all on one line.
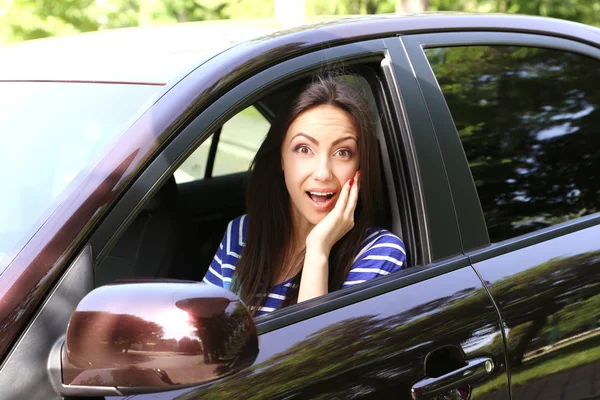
[(325, 206), (322, 190)]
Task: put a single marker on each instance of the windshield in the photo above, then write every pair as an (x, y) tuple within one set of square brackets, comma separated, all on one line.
[(51, 132)]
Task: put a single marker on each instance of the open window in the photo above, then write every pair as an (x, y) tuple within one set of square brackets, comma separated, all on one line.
[(178, 231)]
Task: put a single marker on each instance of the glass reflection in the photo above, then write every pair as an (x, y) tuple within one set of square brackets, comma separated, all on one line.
[(173, 334), (528, 119), (373, 356), (552, 312)]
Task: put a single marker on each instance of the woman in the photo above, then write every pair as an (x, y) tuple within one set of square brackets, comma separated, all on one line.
[(313, 206)]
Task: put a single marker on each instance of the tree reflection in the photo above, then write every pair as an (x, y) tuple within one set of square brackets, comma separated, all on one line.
[(554, 282), (551, 312), (90, 331), (224, 337), (365, 356), (528, 120)]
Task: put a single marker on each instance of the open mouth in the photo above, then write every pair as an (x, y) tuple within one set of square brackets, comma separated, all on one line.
[(321, 199)]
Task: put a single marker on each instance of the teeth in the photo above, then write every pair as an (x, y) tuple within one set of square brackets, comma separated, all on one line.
[(321, 194)]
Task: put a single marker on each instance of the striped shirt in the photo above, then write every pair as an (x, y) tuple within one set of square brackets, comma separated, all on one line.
[(381, 253)]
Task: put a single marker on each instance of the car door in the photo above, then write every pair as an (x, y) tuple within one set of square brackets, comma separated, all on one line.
[(429, 330), (434, 333), (519, 114)]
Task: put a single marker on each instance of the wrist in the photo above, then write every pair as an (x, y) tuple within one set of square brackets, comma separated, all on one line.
[(315, 273), (317, 250), (316, 261)]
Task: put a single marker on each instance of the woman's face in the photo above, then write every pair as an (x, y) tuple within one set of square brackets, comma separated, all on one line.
[(319, 155)]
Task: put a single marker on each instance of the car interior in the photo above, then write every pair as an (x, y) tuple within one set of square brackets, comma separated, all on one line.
[(178, 231)]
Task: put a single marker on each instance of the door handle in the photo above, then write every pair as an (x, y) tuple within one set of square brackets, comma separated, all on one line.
[(475, 370)]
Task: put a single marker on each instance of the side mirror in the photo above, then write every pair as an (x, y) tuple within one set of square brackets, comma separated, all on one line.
[(150, 336)]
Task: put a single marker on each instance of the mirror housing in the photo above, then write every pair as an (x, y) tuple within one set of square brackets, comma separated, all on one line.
[(148, 336)]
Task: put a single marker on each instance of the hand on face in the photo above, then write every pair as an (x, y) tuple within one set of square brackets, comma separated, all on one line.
[(338, 222), (319, 155)]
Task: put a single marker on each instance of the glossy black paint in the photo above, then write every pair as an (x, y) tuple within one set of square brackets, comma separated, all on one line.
[(376, 348), (442, 227), (465, 198), (548, 295), (545, 284)]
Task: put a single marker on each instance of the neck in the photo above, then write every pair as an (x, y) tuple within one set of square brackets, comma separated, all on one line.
[(301, 227), (300, 230)]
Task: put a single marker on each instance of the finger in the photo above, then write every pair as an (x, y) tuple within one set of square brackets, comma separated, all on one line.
[(340, 206), (352, 198)]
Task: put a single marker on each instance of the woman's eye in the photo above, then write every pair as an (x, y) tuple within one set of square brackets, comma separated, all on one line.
[(303, 150), (344, 153)]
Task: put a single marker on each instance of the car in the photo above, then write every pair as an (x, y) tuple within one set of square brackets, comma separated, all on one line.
[(125, 155)]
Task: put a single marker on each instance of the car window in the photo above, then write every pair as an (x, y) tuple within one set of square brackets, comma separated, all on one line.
[(529, 122), (194, 167), (240, 139), (238, 142), (51, 132)]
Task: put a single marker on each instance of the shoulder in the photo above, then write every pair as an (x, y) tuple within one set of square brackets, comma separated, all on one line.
[(383, 246), (238, 227), (379, 238), (381, 254), (235, 234)]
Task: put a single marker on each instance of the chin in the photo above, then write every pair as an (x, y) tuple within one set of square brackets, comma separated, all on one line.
[(315, 218)]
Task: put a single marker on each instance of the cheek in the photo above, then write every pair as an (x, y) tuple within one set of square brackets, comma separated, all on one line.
[(344, 171), (295, 171)]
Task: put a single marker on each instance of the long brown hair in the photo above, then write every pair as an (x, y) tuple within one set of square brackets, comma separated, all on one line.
[(270, 228)]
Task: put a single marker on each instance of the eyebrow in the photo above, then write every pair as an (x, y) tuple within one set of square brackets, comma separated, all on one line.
[(315, 141)]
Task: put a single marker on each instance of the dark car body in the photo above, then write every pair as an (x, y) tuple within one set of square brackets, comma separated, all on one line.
[(466, 302)]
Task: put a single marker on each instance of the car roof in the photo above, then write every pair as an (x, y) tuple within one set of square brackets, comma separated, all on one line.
[(165, 54)]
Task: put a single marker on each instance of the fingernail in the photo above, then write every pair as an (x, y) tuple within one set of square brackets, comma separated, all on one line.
[(351, 181)]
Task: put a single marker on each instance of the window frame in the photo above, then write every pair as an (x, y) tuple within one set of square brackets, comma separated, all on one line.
[(241, 96), (473, 228), (418, 146)]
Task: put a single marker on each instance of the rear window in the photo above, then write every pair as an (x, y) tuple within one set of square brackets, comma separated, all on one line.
[(50, 133), (528, 119)]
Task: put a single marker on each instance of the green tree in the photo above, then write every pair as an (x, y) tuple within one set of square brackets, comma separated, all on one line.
[(32, 19), (197, 10), (337, 7)]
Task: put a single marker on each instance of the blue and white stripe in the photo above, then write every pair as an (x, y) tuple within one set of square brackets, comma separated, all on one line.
[(381, 254)]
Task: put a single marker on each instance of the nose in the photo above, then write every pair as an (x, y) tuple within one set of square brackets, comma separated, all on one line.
[(322, 169)]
